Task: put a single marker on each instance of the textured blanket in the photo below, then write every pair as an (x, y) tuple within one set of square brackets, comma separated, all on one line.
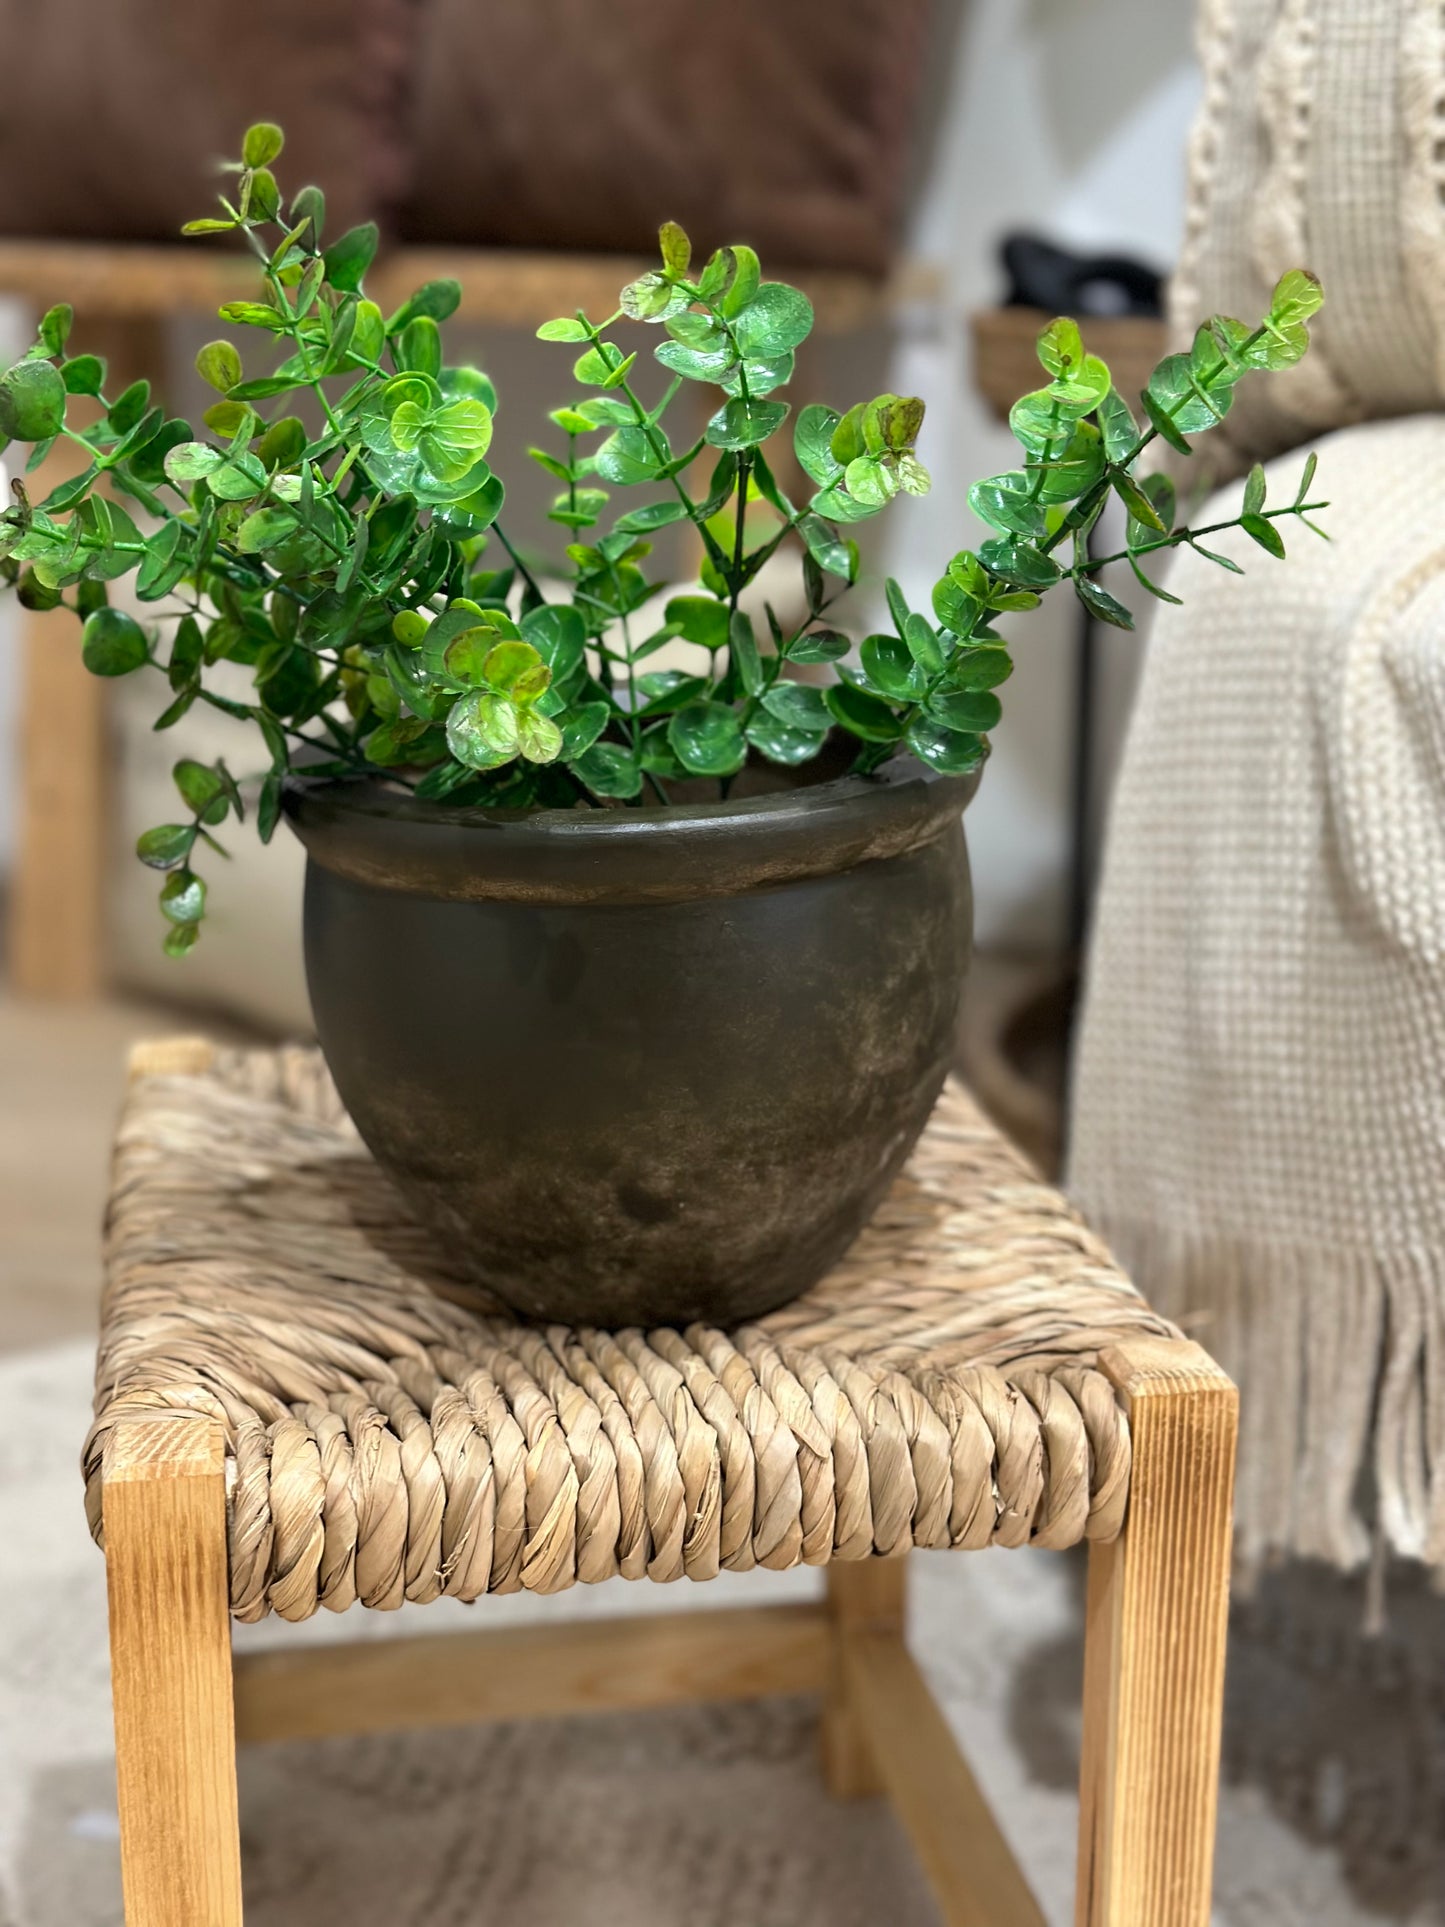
[(1259, 1120)]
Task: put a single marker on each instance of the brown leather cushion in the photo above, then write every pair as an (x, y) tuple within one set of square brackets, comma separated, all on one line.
[(115, 111), (561, 123), (537, 124)]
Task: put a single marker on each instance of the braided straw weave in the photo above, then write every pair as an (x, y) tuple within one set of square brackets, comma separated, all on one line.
[(394, 1435)]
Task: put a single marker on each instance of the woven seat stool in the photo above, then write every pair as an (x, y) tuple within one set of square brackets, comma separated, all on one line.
[(300, 1405)]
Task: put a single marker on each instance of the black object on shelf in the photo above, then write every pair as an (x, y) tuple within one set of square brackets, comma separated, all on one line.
[(1043, 275)]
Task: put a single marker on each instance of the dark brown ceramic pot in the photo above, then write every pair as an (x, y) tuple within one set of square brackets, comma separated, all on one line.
[(641, 1066)]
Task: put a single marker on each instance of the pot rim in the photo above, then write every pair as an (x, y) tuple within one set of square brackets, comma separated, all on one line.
[(358, 829)]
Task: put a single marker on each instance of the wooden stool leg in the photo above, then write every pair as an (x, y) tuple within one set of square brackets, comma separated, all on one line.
[(866, 1595), (170, 1648), (1158, 1606)]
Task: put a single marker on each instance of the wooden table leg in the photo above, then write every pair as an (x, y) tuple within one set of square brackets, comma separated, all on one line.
[(865, 1595), (1158, 1606), (170, 1647)]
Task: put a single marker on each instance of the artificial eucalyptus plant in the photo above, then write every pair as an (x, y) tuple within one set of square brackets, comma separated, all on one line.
[(352, 555)]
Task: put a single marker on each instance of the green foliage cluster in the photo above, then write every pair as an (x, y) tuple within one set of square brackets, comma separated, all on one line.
[(339, 535)]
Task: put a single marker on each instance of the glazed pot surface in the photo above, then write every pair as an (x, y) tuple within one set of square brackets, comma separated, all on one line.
[(641, 1067)]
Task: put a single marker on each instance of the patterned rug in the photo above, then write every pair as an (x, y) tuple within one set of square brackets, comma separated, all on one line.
[(1333, 1811)]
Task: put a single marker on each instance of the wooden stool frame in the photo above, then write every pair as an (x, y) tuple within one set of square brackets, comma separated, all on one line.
[(1154, 1675)]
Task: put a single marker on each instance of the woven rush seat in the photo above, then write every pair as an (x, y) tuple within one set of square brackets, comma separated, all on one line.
[(393, 1434)]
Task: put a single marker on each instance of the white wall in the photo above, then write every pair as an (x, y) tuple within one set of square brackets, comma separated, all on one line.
[(1070, 118)]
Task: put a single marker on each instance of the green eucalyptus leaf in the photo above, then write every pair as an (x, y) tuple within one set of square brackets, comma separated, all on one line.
[(799, 705), (608, 770), (742, 424), (482, 729), (55, 326), (564, 328), (237, 478), (433, 301), (603, 361), (419, 347), (982, 667), (675, 248), (1070, 472), (628, 455), (164, 565), (32, 402), (655, 515), (1060, 348), (776, 319), (812, 444), (263, 142), (183, 897), (743, 275), (707, 739), (1118, 427), (696, 364), (1100, 603), (202, 790), (219, 364), (1297, 296), (1254, 490), (265, 529), (84, 375), (872, 481), (129, 407), (975, 710), (1163, 424), (923, 644), (652, 297), (228, 418), (699, 619), (890, 668), (781, 743), (557, 633), (308, 211), (743, 652), (510, 664), (1174, 390), (165, 846), (818, 645), (863, 715), (951, 752), (180, 939), (1142, 512), (1264, 533), (348, 258), (538, 737), (113, 643), (1009, 502), (582, 728)]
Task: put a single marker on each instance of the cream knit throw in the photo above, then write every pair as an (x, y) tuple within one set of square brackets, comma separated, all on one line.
[(1259, 1116), (1321, 143)]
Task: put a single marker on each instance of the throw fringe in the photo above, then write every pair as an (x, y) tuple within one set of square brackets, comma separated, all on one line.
[(1340, 1361)]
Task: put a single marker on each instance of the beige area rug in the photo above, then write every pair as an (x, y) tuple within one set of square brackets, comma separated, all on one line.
[(1333, 1809)]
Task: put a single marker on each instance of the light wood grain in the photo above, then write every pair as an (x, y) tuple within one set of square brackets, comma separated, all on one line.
[(970, 1866), (864, 1595), (530, 1672), (57, 907), (501, 287), (1158, 1603), (170, 1647)]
